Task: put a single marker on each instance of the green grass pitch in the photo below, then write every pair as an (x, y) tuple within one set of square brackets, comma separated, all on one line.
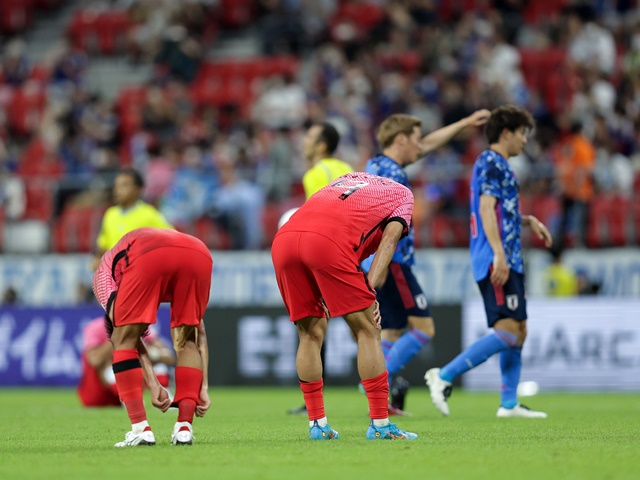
[(247, 434)]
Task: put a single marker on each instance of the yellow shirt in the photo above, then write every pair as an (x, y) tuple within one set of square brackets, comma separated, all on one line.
[(561, 281), (323, 173), (116, 222)]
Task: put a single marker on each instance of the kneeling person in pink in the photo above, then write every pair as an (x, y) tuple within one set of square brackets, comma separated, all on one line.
[(146, 267), (97, 385), (317, 256)]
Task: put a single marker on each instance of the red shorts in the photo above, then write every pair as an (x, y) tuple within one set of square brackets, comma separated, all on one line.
[(177, 274), (311, 268), (92, 392)]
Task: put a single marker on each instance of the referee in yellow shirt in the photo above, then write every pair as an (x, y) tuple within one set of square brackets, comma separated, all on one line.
[(319, 143), (129, 213)]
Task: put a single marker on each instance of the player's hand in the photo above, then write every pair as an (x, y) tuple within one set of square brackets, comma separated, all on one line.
[(541, 231), (500, 273), (160, 398), (204, 403), (479, 117), (376, 314)]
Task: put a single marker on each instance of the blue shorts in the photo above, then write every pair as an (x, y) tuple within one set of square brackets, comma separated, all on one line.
[(507, 301), (401, 297)]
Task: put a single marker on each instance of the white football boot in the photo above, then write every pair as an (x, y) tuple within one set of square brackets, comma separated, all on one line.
[(182, 434), (519, 410), (439, 389), (135, 439)]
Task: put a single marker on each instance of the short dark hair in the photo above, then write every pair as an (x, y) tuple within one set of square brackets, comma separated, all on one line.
[(135, 176), (329, 136), (509, 117)]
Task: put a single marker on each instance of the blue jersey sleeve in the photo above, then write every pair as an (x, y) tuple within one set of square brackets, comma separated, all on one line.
[(489, 177)]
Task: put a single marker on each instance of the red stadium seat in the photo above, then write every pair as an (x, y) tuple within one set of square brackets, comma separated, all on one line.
[(111, 28), (76, 229), (39, 194), (82, 30), (25, 108), (545, 208), (15, 15), (237, 13), (212, 234)]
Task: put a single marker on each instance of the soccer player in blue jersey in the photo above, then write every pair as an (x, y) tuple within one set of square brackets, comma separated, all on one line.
[(407, 324), (496, 260)]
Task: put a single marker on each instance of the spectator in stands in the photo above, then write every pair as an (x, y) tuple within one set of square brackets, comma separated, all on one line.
[(191, 191), (10, 297), (159, 115), (589, 43), (238, 206), (575, 173), (179, 53), (13, 200), (129, 213), (15, 66)]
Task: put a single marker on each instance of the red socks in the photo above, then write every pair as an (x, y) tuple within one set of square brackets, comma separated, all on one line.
[(377, 389), (188, 383), (129, 379), (313, 398)]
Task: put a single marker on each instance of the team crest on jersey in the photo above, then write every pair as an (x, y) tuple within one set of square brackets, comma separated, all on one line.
[(421, 301), (512, 302)]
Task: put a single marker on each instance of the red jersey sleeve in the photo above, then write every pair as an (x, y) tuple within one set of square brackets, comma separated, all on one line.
[(404, 208), (104, 285)]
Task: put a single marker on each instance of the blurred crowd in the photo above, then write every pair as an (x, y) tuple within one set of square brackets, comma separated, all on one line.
[(236, 161)]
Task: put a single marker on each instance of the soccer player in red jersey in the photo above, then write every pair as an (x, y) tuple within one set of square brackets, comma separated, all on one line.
[(317, 256), (146, 267)]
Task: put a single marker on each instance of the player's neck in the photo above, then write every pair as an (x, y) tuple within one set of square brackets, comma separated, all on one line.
[(501, 149), (128, 205), (391, 153)]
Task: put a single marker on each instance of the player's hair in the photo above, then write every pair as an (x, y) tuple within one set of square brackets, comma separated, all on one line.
[(138, 181), (329, 136), (509, 117), (395, 125)]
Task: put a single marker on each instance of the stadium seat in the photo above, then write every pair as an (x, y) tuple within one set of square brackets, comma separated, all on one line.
[(76, 229), (545, 208), (111, 28), (236, 13), (39, 194), (25, 108), (15, 15), (82, 30)]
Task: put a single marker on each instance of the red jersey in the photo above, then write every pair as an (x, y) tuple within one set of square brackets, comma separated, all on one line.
[(108, 276), (353, 211)]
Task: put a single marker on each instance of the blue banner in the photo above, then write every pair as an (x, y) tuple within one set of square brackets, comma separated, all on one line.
[(42, 346)]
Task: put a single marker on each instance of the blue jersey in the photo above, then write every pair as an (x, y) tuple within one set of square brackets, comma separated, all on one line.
[(492, 175), (384, 166)]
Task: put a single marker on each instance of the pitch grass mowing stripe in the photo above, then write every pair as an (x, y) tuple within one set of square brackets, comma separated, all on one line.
[(247, 434)]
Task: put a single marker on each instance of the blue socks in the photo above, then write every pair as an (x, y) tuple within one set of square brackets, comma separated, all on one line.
[(510, 364), (386, 346), (402, 351), (477, 353)]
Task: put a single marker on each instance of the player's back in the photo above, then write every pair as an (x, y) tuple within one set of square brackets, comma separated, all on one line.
[(353, 210)]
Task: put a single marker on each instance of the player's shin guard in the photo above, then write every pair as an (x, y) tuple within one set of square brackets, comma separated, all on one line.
[(510, 366), (129, 379), (377, 389), (188, 384), (313, 398)]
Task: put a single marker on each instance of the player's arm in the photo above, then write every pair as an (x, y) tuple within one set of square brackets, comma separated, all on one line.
[(203, 348), (538, 228), (100, 356), (392, 233), (442, 136), (500, 273), (159, 395)]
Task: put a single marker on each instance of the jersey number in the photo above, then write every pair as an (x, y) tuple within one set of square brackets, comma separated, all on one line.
[(353, 189)]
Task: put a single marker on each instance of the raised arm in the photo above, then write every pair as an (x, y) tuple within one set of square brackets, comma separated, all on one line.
[(443, 135)]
